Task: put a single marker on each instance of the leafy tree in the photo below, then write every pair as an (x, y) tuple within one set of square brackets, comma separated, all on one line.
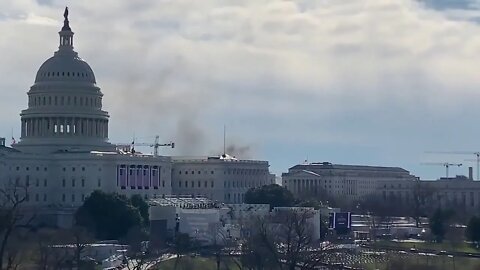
[(142, 206), (473, 229), (273, 194), (439, 223), (108, 215)]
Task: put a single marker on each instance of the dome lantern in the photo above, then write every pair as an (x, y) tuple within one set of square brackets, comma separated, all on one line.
[(66, 34)]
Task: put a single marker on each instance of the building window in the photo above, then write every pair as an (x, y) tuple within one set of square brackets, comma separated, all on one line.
[(63, 182), (73, 182), (44, 182), (163, 183), (83, 197), (63, 197), (179, 183), (37, 182), (99, 182), (44, 197), (199, 184), (211, 184), (73, 197), (36, 197), (83, 182), (211, 172), (205, 184)]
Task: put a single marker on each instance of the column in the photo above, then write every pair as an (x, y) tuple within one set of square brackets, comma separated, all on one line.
[(45, 127), (38, 127), (50, 127), (64, 126), (22, 132), (74, 126), (57, 122)]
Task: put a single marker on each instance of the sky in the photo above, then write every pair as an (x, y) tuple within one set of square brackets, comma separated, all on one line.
[(369, 82)]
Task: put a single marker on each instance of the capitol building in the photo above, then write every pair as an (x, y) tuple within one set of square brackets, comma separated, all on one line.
[(64, 152)]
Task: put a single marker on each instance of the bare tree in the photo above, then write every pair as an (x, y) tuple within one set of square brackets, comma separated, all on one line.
[(284, 240), (223, 245), (422, 201), (48, 258), (12, 217), (139, 255)]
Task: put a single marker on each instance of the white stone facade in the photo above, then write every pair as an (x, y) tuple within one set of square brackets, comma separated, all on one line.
[(349, 182), (223, 178)]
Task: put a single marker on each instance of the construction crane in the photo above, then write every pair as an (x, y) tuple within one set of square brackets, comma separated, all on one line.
[(477, 155), (155, 145), (445, 164)]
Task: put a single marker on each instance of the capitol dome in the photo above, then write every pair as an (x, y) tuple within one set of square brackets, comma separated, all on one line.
[(64, 105), (65, 66)]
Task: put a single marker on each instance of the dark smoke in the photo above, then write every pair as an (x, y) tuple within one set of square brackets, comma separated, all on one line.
[(243, 152)]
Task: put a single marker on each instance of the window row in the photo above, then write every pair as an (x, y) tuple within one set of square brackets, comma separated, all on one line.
[(37, 197), (199, 184), (64, 100), (72, 198), (229, 171), (193, 172), (242, 184), (234, 198), (73, 182), (27, 182), (17, 168), (65, 74)]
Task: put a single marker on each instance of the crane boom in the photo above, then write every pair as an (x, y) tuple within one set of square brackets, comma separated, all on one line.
[(445, 164), (476, 153), (155, 145)]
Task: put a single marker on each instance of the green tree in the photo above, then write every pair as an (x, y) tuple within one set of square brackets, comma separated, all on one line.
[(108, 215), (473, 229), (439, 223), (273, 194), (142, 206)]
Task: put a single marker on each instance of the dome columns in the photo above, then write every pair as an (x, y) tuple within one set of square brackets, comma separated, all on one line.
[(64, 127)]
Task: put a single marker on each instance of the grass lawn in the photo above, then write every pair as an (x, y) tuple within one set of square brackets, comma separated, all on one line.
[(421, 262), (460, 247), (196, 263)]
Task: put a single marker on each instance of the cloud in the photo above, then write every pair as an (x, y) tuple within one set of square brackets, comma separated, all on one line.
[(387, 79)]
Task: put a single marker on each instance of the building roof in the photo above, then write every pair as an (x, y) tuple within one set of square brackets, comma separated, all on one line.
[(214, 159), (187, 202), (329, 166)]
